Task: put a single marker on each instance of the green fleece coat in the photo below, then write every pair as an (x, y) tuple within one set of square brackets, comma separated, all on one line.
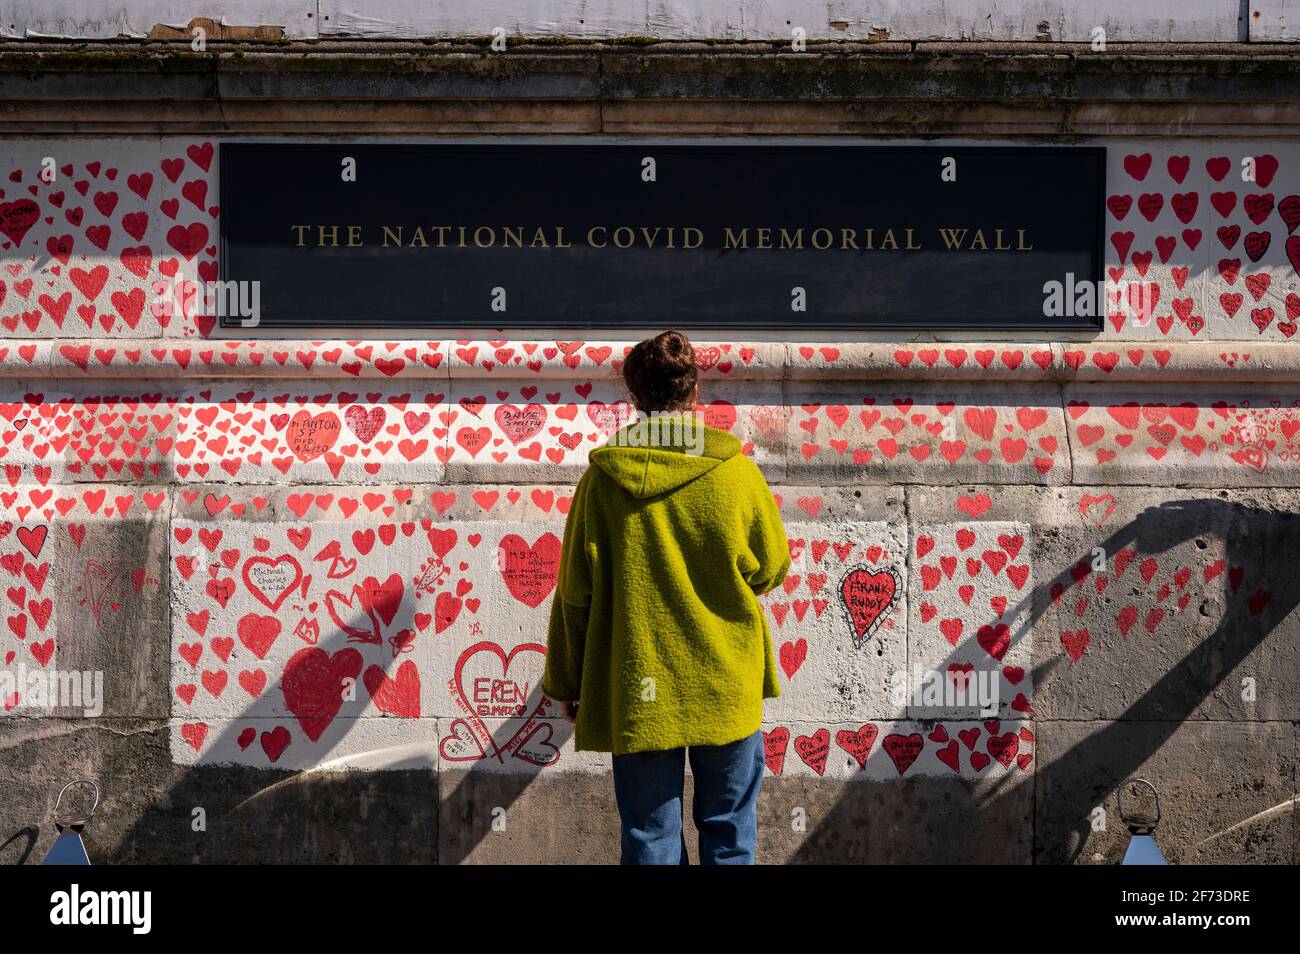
[(655, 628)]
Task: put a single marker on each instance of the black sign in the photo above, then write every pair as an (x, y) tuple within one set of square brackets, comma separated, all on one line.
[(600, 236)]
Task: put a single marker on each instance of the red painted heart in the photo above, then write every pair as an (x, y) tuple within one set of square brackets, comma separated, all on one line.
[(313, 685), (530, 570), (868, 597)]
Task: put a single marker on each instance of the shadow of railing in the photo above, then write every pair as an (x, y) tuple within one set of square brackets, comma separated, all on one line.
[(1068, 786)]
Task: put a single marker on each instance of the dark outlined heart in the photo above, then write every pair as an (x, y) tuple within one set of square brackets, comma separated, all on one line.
[(868, 597)]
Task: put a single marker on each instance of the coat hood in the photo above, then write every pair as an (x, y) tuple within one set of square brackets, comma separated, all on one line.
[(658, 454)]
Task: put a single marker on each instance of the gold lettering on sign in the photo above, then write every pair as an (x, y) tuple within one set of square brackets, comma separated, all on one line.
[(891, 238), (954, 240)]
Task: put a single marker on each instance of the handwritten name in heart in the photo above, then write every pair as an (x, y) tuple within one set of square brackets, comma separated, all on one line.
[(869, 597), (488, 683)]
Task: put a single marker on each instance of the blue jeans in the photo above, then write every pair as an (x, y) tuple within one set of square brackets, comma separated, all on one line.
[(648, 789)]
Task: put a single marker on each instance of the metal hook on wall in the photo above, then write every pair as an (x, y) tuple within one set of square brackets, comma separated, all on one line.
[(68, 848), (1142, 847)]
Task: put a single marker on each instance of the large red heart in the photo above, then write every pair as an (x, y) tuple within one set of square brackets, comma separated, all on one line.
[(520, 423), (400, 696), (814, 749), (1004, 748), (383, 598), (272, 579), (365, 424), (275, 742), (494, 694), (792, 656), (868, 597), (189, 241), (313, 686), (994, 640), (33, 538), (774, 747), (1289, 209), (530, 572)]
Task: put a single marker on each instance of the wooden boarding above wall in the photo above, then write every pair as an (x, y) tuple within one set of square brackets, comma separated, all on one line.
[(213, 30)]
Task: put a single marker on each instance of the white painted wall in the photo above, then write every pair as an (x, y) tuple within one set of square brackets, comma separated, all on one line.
[(1155, 20), (1123, 20), (107, 19), (1274, 20)]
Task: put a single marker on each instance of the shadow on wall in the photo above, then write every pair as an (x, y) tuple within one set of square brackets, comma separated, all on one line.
[(393, 816), (1070, 782), (321, 816)]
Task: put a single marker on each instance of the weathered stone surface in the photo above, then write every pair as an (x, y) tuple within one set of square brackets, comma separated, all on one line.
[(925, 820), (858, 818), (1164, 604), (628, 85), (85, 621), (1227, 790), (110, 577), (154, 811), (497, 818)]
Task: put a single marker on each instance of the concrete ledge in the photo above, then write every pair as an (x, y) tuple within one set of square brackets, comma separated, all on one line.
[(444, 359)]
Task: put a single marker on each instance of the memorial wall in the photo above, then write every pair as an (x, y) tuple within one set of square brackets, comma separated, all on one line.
[(294, 392)]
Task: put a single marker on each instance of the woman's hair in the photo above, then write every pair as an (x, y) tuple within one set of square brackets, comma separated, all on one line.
[(661, 374)]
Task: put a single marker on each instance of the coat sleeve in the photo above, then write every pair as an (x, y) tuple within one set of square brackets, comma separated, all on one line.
[(566, 637), (767, 540)]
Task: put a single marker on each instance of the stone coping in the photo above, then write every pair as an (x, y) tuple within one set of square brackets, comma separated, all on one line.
[(179, 358), (632, 87)]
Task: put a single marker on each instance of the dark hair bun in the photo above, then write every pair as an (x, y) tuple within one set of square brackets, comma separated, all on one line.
[(660, 372)]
